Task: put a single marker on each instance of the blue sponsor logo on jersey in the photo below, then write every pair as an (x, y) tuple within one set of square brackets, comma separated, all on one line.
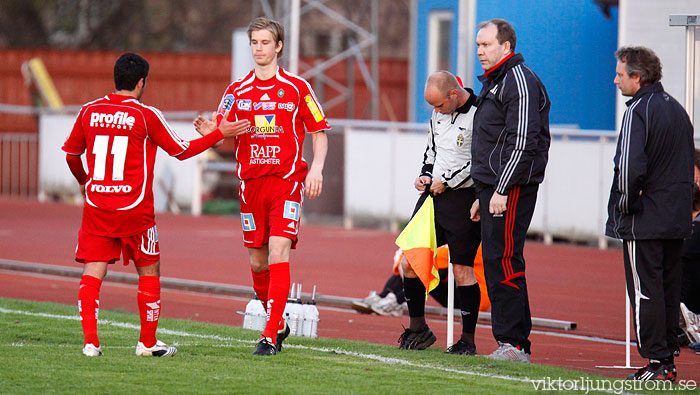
[(248, 222), (243, 104), (460, 140), (228, 102), (291, 210), (257, 105)]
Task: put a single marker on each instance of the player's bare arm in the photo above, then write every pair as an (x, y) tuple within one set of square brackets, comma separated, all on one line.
[(314, 179)]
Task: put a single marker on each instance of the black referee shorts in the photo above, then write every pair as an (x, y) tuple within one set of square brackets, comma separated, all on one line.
[(452, 224)]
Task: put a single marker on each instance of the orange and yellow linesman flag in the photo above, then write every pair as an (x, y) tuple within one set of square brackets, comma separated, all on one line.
[(419, 245)]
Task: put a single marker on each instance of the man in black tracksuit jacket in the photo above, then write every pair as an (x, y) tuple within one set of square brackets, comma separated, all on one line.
[(509, 150), (650, 205)]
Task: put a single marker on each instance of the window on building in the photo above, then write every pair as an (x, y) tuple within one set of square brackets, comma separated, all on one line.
[(440, 40)]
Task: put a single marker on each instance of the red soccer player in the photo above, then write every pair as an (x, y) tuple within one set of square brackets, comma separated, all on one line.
[(120, 137), (273, 173)]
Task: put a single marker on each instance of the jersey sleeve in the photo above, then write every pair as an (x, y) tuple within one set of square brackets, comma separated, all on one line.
[(225, 104), (310, 110), (429, 154), (162, 134), (75, 143)]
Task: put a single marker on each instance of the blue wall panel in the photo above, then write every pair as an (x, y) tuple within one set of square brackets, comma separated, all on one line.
[(422, 109), (569, 44)]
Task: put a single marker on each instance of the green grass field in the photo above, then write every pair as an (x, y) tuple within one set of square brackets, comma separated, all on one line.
[(40, 350)]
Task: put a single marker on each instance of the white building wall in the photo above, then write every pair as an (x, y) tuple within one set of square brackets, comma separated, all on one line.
[(645, 22), (54, 176)]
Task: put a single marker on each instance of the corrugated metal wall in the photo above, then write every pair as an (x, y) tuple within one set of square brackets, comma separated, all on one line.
[(177, 82)]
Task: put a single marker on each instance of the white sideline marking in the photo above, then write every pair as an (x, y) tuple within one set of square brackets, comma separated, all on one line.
[(378, 358)]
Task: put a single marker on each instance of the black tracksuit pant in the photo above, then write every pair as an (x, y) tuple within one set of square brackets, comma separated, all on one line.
[(503, 240), (653, 274)]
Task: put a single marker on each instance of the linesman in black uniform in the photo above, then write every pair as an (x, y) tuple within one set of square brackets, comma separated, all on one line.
[(446, 175)]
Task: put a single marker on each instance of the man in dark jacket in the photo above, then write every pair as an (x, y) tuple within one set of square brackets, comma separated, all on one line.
[(650, 205), (509, 150)]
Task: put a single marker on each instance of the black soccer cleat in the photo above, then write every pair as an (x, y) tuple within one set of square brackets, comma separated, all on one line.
[(420, 340), (403, 339), (281, 335), (648, 374), (672, 372), (462, 348), (265, 347)]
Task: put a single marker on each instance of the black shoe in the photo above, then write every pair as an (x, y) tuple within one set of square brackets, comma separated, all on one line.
[(403, 339), (672, 372), (461, 348), (410, 340), (265, 347), (647, 374), (282, 335)]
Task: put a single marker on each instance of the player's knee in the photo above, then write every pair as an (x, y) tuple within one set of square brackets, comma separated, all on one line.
[(149, 270), (258, 265), (407, 270), (278, 254), (277, 257), (95, 269), (464, 275)]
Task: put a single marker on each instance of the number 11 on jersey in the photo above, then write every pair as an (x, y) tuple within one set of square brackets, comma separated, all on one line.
[(100, 149)]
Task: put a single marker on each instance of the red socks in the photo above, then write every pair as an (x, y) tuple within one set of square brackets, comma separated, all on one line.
[(148, 299), (261, 284), (89, 307), (277, 298)]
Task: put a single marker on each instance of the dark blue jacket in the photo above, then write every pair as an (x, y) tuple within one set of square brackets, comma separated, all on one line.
[(651, 194), (510, 143)]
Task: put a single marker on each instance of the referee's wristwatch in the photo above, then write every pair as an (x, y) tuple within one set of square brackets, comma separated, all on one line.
[(444, 183)]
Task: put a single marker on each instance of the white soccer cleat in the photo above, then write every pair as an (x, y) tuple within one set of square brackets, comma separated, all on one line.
[(89, 350), (508, 352), (365, 305), (692, 324), (160, 349), (388, 306)]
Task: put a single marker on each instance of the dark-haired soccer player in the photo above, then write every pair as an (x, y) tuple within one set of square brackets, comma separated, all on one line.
[(120, 137)]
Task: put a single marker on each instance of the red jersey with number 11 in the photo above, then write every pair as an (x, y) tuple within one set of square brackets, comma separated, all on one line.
[(278, 110), (120, 136)]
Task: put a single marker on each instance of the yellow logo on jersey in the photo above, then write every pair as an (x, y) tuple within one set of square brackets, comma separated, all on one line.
[(265, 123), (313, 107)]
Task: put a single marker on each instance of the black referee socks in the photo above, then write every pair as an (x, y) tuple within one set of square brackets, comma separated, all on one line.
[(469, 299)]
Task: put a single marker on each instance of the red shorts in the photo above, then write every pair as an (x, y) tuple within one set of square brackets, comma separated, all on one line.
[(270, 206), (142, 248)]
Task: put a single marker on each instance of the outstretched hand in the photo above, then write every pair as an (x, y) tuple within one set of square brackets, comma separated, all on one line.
[(228, 128), (204, 126), (232, 129)]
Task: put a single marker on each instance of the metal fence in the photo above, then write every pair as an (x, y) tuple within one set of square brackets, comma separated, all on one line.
[(18, 165)]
